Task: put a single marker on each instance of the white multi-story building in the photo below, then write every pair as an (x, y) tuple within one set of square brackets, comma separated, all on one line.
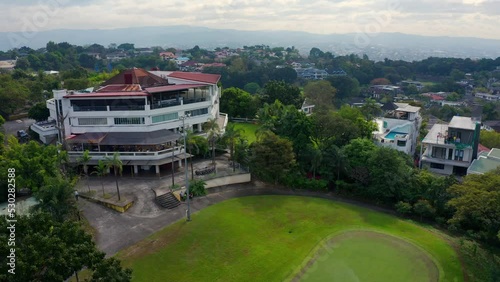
[(136, 113), (451, 148), (399, 128)]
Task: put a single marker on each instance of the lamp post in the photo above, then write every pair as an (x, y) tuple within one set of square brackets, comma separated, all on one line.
[(188, 211)]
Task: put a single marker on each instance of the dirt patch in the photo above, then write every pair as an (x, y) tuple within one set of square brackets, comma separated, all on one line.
[(328, 246)]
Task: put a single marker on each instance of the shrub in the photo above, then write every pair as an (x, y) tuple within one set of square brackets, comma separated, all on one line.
[(403, 208), (197, 187)]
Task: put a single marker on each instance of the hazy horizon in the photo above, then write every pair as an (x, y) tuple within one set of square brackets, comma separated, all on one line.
[(453, 18)]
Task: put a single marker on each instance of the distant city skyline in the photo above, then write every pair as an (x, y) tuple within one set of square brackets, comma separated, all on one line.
[(461, 18)]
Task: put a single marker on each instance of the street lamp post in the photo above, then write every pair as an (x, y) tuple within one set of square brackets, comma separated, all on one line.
[(188, 212)]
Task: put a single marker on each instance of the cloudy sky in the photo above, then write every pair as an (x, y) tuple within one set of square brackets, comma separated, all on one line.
[(476, 18)]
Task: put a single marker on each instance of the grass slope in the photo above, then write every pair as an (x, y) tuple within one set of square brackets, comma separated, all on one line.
[(266, 238)]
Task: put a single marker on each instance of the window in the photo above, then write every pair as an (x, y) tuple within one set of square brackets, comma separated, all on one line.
[(92, 121), (401, 143), (134, 120), (459, 155), (450, 154), (197, 112), (437, 166), (165, 117), (439, 153)]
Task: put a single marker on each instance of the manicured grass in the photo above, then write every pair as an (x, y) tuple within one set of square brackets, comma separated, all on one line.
[(249, 130), (370, 256), (268, 238)]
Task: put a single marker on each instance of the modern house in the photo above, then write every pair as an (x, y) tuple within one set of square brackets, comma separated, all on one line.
[(399, 128), (485, 162), (307, 107), (136, 113), (451, 148)]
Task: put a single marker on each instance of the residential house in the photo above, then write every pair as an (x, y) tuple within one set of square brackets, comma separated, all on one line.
[(399, 128), (451, 148), (487, 96), (116, 56), (311, 73), (7, 65), (492, 125), (307, 107), (137, 113), (485, 162), (167, 56), (417, 84), (181, 60)]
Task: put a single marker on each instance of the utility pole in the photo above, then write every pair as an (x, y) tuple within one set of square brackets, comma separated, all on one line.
[(188, 211)]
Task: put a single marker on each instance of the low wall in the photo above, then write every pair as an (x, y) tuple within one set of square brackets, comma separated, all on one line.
[(117, 207), (227, 180)]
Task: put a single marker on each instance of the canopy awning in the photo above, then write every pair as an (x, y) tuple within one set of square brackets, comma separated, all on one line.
[(89, 138)]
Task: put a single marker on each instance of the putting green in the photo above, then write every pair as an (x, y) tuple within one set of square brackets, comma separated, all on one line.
[(369, 256)]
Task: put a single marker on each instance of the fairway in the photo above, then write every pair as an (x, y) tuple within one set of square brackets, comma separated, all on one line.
[(369, 256), (275, 238)]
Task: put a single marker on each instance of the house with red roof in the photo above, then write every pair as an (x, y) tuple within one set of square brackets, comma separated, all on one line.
[(137, 113)]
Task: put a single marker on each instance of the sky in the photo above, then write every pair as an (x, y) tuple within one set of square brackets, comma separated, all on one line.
[(469, 18)]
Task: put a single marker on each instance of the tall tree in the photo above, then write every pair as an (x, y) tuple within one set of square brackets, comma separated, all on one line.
[(84, 160), (230, 137), (116, 163), (285, 93), (213, 131), (477, 202), (272, 157), (39, 112), (321, 94), (101, 170)]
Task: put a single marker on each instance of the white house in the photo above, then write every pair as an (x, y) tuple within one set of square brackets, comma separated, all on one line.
[(485, 162), (451, 148), (399, 128), (136, 113)]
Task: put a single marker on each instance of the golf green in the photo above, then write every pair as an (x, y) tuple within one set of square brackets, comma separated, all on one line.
[(274, 238), (369, 256)]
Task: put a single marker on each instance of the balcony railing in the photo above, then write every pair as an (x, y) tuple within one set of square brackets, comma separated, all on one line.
[(130, 155), (195, 100), (127, 108), (89, 108), (165, 103)]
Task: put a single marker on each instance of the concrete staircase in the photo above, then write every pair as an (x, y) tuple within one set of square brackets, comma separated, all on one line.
[(168, 200)]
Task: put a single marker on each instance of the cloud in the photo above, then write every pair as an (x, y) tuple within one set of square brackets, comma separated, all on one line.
[(477, 18)]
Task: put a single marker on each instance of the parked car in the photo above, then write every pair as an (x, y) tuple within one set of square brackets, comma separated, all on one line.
[(22, 135)]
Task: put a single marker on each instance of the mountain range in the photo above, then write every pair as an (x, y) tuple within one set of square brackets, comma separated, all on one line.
[(377, 46)]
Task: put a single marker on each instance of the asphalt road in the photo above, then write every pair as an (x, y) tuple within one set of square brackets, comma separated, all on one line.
[(11, 127)]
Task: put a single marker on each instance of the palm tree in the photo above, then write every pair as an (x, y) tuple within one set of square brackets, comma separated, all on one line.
[(192, 147), (84, 160), (316, 156), (213, 131), (116, 163), (101, 170), (230, 137)]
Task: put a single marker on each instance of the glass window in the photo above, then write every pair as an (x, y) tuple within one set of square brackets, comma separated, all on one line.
[(165, 117), (437, 166), (92, 121), (133, 120)]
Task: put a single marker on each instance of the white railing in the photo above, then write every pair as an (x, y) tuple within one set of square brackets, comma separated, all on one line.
[(167, 153)]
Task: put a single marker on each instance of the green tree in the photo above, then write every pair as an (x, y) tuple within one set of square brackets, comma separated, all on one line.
[(101, 170), (251, 87), (13, 95), (230, 137), (272, 157), (476, 202), (213, 131), (39, 112), (116, 163), (84, 160), (285, 93), (56, 197), (49, 250), (321, 94), (238, 103), (490, 139)]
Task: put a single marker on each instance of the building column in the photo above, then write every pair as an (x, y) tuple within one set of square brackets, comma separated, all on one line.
[(157, 170), (180, 163), (200, 129), (136, 169)]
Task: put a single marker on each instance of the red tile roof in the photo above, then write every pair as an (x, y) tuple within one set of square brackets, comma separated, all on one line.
[(106, 94), (172, 87), (120, 87), (482, 148), (196, 76), (437, 97), (136, 76)]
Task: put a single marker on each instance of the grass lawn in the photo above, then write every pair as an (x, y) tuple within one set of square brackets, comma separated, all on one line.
[(268, 238), (369, 256), (249, 130)]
